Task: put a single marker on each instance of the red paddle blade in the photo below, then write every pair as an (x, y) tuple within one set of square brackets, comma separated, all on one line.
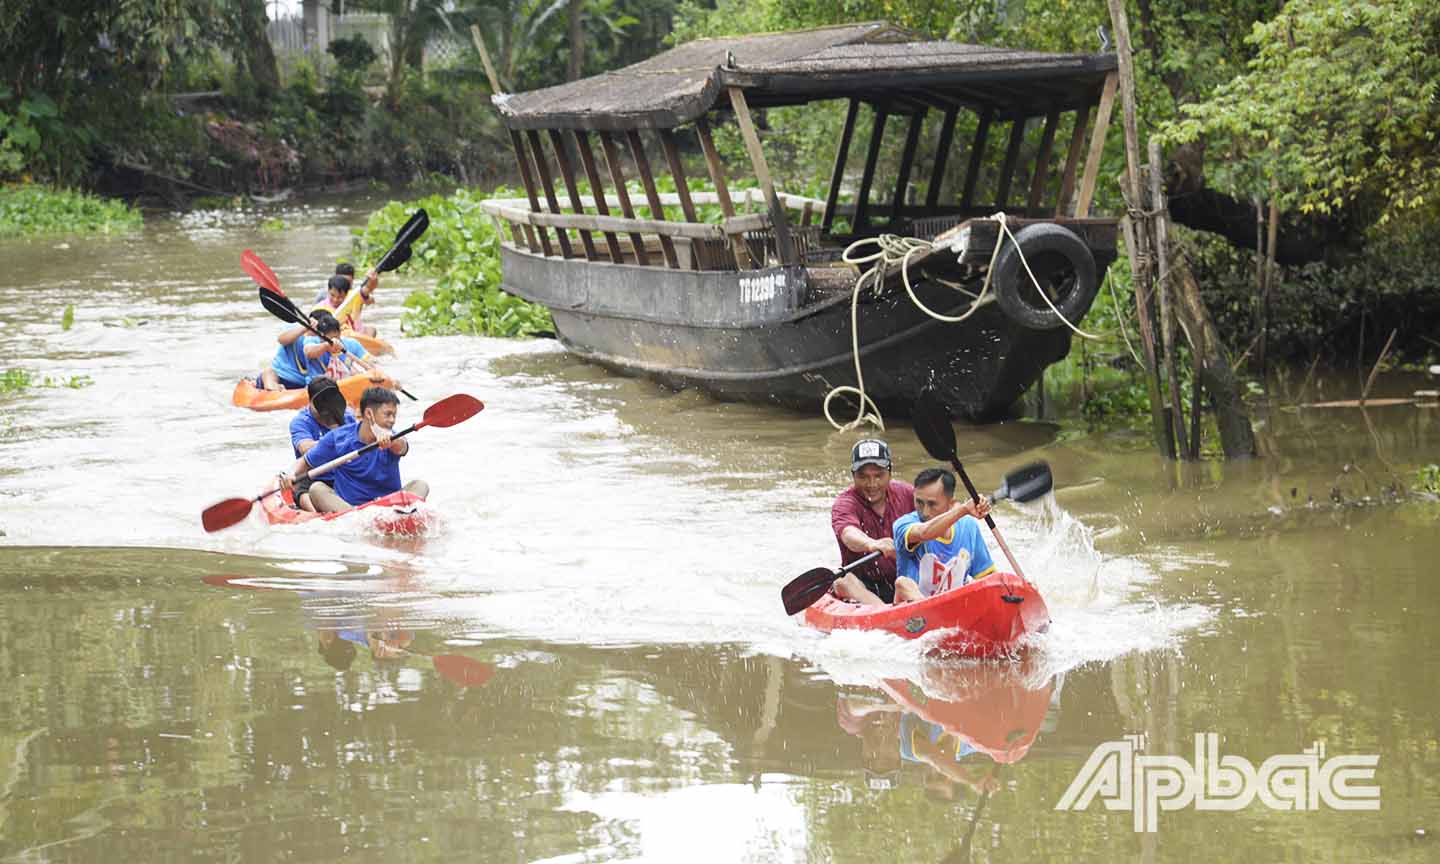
[(463, 670), (260, 271), (218, 517), (451, 410)]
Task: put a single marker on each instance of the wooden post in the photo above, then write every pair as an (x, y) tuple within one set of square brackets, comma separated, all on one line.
[(1159, 207), (529, 180), (1012, 155), (677, 172), (942, 155), (617, 177), (722, 190), (1097, 144), (1272, 236), (778, 219), (907, 159), (657, 211), (597, 190), (1042, 165), (567, 174), (1142, 255), (977, 156), (1072, 160), (872, 155), (542, 165), (837, 174)]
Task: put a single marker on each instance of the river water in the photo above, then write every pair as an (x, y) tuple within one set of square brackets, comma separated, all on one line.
[(601, 669)]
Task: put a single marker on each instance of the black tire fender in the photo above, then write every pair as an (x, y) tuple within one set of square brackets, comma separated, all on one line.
[(1062, 264)]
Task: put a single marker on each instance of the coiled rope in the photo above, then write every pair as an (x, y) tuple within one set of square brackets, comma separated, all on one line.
[(896, 250)]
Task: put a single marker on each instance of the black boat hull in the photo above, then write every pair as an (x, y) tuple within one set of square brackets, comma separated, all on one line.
[(777, 336)]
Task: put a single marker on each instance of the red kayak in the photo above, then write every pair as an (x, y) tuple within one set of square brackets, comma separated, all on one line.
[(399, 514), (985, 618)]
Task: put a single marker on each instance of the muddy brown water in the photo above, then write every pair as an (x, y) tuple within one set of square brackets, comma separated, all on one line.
[(606, 570)]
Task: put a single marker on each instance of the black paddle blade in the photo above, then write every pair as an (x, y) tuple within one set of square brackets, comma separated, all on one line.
[(281, 307), (1026, 483), (407, 235), (932, 425), (392, 262), (802, 591), (329, 404)]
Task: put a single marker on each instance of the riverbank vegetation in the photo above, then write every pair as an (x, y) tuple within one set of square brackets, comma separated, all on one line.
[(27, 209)]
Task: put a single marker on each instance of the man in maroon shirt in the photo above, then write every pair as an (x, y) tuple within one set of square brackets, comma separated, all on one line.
[(862, 518)]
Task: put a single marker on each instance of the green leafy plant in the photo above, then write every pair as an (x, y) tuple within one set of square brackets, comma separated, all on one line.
[(67, 318), (1427, 479), (28, 209), (19, 380), (460, 248)]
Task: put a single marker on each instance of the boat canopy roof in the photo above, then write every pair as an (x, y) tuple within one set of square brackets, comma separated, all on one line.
[(874, 62)]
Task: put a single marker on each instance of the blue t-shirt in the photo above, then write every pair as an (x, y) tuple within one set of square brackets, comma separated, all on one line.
[(304, 427), (296, 370), (319, 366), (932, 563), (912, 726), (365, 478)]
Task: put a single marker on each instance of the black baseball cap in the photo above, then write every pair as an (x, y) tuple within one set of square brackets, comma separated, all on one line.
[(871, 451)]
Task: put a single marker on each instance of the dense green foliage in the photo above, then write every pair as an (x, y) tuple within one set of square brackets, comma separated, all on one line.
[(461, 249), (27, 209)]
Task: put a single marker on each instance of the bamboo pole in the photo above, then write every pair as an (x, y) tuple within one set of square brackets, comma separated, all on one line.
[(1141, 254), (617, 178), (1160, 208), (567, 174)]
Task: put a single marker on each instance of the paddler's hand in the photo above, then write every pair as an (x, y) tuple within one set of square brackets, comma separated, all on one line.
[(335, 346), (979, 508), (367, 291), (885, 546), (286, 482)]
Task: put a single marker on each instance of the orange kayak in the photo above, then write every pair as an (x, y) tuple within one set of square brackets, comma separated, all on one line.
[(986, 618), (373, 344), (247, 395)]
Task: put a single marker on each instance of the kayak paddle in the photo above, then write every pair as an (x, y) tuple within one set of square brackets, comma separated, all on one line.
[(1024, 484), (932, 427), (275, 301), (398, 253), (802, 591), (445, 413)]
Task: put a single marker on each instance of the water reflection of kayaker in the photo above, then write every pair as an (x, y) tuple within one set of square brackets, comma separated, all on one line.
[(863, 518), (939, 546), (326, 411), (372, 474)]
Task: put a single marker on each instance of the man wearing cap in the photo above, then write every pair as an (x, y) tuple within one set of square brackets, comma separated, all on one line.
[(863, 518), (326, 411)]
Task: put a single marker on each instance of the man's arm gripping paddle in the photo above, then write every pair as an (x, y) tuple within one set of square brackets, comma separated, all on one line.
[(447, 412), (933, 428)]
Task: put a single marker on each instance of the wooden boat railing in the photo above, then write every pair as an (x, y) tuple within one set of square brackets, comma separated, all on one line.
[(742, 241)]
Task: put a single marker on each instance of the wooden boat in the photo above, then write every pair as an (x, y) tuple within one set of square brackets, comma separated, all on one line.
[(759, 305)]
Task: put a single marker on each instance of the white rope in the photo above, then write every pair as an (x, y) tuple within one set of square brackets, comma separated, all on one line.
[(894, 249)]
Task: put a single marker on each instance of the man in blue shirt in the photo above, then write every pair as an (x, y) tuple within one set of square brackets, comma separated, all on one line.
[(326, 411), (371, 475), (301, 358), (939, 546)]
